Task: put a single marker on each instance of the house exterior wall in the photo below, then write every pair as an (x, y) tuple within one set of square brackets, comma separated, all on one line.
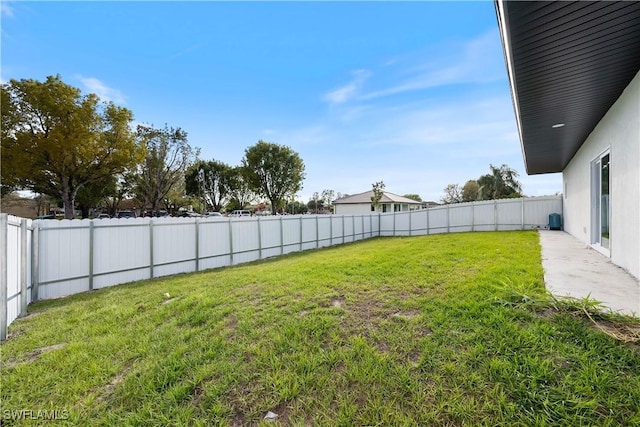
[(352, 208), (618, 132)]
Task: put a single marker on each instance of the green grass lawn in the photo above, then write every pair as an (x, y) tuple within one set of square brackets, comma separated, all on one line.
[(450, 329)]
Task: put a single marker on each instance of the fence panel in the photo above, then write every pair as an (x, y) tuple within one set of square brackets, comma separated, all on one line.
[(291, 234), (537, 210), (484, 216), (337, 229), (309, 232), (461, 217), (214, 243), (174, 246), (509, 214), (64, 258), (245, 239), (121, 251), (74, 256), (438, 220), (16, 236)]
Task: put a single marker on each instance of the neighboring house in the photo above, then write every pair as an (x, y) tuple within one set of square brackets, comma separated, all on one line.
[(575, 82), (361, 204), (429, 204)]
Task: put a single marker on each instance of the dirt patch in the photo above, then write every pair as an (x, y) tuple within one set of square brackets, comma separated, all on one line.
[(409, 314), (337, 302), (34, 355), (628, 333), (108, 389), (231, 325)]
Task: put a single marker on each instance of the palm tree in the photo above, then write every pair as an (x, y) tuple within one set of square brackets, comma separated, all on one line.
[(501, 183)]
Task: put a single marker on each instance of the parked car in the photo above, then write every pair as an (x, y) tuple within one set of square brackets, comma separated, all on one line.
[(212, 214), (48, 216), (238, 213), (189, 214), (127, 214), (103, 216)]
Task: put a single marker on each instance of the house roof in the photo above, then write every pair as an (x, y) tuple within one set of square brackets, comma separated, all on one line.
[(568, 62), (367, 195)]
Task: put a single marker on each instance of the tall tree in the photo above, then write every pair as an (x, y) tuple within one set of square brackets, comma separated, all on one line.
[(168, 157), (378, 192), (470, 191), (316, 203), (56, 140), (210, 182), (452, 194), (239, 193), (328, 196), (273, 171), (501, 183)]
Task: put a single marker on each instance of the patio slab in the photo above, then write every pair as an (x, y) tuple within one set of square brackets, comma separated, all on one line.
[(572, 268)]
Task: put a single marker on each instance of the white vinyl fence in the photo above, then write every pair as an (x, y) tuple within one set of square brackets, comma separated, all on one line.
[(49, 259)]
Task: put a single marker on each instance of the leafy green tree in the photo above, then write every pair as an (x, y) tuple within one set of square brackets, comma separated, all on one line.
[(167, 158), (93, 194), (452, 194), (273, 171), (240, 193), (470, 191), (56, 141), (378, 192), (328, 196), (501, 183), (415, 197), (316, 203), (209, 181), (296, 207)]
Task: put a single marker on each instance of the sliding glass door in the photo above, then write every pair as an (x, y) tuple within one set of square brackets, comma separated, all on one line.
[(601, 202)]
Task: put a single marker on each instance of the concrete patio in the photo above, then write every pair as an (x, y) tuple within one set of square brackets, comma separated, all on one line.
[(572, 268)]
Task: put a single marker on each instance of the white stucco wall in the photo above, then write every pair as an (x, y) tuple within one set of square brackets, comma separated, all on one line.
[(619, 132), (352, 208)]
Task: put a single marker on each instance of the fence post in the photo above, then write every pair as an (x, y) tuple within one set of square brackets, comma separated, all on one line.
[(197, 225), (3, 275), (522, 213), (473, 216), (151, 248), (317, 233), (495, 214), (395, 214), (230, 241), (410, 226), (428, 229), (23, 267), (281, 235), (35, 261), (331, 231), (259, 239), (353, 228), (448, 220), (91, 225), (301, 233)]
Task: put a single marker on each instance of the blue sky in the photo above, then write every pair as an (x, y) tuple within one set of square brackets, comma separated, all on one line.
[(414, 94)]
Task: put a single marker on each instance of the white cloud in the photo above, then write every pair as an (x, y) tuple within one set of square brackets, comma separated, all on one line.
[(349, 91), (105, 93), (476, 61), (6, 9)]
